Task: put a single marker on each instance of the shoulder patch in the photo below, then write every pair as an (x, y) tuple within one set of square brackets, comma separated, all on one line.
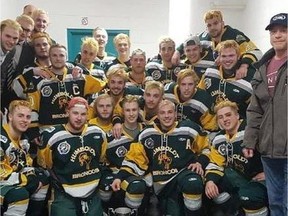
[(3, 139), (240, 38)]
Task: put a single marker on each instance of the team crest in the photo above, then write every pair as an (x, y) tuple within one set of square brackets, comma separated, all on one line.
[(156, 74), (63, 148), (149, 143), (85, 159), (46, 91), (165, 160), (121, 151), (3, 139), (240, 38), (207, 82)]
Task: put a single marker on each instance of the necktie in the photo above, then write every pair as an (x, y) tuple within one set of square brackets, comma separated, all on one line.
[(9, 75)]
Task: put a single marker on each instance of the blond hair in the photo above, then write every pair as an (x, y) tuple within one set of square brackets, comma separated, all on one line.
[(187, 73), (228, 44), (117, 71), (166, 39), (91, 43), (16, 103), (25, 18), (154, 85), (121, 36), (40, 35), (226, 103), (213, 14), (11, 24)]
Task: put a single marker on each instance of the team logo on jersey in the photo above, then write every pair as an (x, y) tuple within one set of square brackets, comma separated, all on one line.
[(149, 143), (3, 139), (176, 71), (207, 82), (121, 151), (85, 159), (240, 38), (165, 160), (63, 148), (222, 149), (156, 74), (46, 91)]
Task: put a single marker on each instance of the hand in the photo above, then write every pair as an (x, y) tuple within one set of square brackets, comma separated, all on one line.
[(211, 190), (259, 177), (37, 71), (117, 130), (248, 152), (36, 141), (176, 58), (196, 167), (39, 186), (77, 72), (241, 72), (116, 185)]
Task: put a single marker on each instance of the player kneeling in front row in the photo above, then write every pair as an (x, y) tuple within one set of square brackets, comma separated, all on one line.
[(23, 187), (176, 155)]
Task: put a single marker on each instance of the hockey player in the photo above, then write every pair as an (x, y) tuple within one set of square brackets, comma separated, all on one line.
[(103, 107), (153, 95), (230, 178), (133, 189), (191, 102), (176, 153), (162, 69), (197, 58), (50, 96), (73, 154), (217, 32), (221, 82), (20, 182)]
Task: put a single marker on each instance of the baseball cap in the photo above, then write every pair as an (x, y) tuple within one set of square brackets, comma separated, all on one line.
[(192, 40), (77, 101), (278, 19)]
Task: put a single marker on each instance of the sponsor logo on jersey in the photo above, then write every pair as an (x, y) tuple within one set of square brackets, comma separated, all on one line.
[(46, 91), (63, 148), (149, 143), (96, 137), (3, 139), (156, 74), (121, 151)]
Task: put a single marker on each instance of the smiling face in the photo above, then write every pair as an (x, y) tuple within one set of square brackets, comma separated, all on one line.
[(9, 37), (193, 53), (101, 36), (215, 27), (278, 38), (166, 115), (228, 58), (88, 54), (20, 119), (130, 112), (228, 119)]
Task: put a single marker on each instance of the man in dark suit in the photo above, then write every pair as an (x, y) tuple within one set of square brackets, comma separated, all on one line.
[(21, 56), (9, 37)]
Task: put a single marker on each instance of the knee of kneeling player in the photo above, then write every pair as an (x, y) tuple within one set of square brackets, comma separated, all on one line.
[(257, 212), (222, 198), (192, 202), (135, 193)]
